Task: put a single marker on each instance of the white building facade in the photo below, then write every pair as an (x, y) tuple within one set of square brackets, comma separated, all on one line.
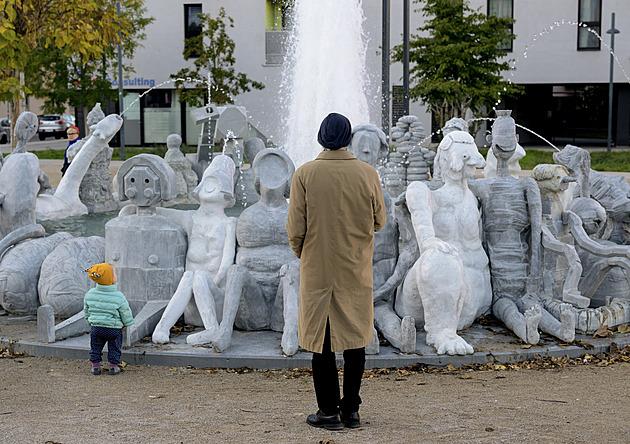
[(565, 72)]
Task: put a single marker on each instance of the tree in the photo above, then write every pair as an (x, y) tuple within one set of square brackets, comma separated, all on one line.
[(62, 78), (78, 30), (213, 51), (458, 65)]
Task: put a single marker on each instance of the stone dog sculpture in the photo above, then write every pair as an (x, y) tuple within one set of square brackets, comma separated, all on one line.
[(449, 285)]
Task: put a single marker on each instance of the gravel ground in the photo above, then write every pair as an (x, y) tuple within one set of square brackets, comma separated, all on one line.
[(58, 401)]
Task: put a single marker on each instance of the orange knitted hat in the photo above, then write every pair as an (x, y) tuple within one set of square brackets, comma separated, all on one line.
[(101, 273)]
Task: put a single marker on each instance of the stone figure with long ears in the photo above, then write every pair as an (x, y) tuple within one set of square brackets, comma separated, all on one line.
[(449, 285), (65, 202), (257, 295), (211, 249), (390, 265), (512, 226)]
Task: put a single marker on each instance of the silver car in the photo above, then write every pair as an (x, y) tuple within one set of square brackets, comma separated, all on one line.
[(52, 125)]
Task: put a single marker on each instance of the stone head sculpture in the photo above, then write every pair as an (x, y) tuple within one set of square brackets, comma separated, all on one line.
[(578, 162), (174, 141), (457, 157), (217, 182), (455, 124), (25, 128), (253, 146), (369, 144), (146, 179), (551, 178), (273, 172), (503, 139), (95, 115), (593, 215)]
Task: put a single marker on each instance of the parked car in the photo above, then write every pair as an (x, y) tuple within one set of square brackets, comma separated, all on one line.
[(53, 125), (5, 131)]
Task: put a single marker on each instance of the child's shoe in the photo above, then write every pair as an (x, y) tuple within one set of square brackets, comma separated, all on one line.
[(96, 369), (114, 370)]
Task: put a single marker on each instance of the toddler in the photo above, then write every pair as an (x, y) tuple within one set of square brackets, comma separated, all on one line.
[(107, 312)]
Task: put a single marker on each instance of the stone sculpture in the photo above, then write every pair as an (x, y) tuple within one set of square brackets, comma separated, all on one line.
[(244, 189), (185, 178), (19, 273), (65, 202), (63, 282), (95, 190), (390, 265), (609, 191), (512, 224), (211, 250), (449, 285), (256, 295), (147, 249), (18, 192)]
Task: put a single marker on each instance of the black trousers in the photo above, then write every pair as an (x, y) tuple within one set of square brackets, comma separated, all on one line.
[(326, 381)]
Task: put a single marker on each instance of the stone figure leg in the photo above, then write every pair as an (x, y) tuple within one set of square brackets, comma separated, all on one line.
[(209, 301), (434, 290), (244, 305), (401, 334), (525, 326), (563, 329), (290, 291), (174, 309)]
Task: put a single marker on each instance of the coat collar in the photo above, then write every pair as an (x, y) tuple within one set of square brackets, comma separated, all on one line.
[(335, 155)]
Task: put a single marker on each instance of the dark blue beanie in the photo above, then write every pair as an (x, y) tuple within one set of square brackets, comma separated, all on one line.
[(335, 132)]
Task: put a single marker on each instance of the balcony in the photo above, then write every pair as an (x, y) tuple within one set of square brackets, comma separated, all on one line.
[(275, 47)]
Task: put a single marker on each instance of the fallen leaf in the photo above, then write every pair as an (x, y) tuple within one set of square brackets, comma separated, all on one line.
[(157, 396), (623, 328), (604, 332), (465, 377), (526, 346), (489, 429)]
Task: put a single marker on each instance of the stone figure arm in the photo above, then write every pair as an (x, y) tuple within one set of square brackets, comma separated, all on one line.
[(378, 203), (229, 252), (583, 240), (182, 217), (409, 252), (534, 206), (421, 205), (296, 219), (570, 291)]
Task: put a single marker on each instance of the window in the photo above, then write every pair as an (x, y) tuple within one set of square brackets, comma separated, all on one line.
[(158, 98), (590, 14), (278, 23), (192, 23), (503, 8)]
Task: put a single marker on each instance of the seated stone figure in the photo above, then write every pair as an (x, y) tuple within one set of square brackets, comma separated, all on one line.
[(390, 265), (449, 285), (186, 178), (255, 294), (211, 248), (512, 226)]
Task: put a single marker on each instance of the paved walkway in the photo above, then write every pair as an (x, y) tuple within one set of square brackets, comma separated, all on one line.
[(262, 349)]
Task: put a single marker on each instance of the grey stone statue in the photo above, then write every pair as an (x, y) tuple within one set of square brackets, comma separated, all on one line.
[(95, 190), (185, 178), (512, 225), (211, 248), (390, 263), (255, 293)]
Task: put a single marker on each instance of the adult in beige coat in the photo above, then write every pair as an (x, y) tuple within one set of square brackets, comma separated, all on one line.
[(336, 206)]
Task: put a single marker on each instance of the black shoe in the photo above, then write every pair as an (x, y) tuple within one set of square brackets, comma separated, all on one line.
[(114, 370), (351, 420), (96, 370), (332, 422)]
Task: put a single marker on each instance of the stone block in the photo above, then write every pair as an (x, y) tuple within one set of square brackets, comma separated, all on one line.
[(45, 324)]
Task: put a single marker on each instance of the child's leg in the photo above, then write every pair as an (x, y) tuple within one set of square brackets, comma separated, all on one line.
[(97, 342), (113, 346)]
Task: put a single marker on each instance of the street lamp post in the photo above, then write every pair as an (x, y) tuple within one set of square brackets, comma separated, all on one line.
[(406, 57), (385, 69), (612, 31), (120, 89)]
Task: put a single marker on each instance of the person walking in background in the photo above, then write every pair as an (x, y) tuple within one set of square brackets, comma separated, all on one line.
[(73, 135), (336, 205), (107, 312)]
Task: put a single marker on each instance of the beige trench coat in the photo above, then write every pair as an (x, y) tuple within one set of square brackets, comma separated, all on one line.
[(336, 205)]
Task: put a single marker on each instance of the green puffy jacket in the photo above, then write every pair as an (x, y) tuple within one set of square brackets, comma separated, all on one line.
[(105, 306)]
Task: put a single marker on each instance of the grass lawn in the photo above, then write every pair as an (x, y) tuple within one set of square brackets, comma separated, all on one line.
[(600, 160)]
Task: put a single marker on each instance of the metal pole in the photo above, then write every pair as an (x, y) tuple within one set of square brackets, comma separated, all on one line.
[(612, 31), (385, 62), (406, 56), (120, 90)]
